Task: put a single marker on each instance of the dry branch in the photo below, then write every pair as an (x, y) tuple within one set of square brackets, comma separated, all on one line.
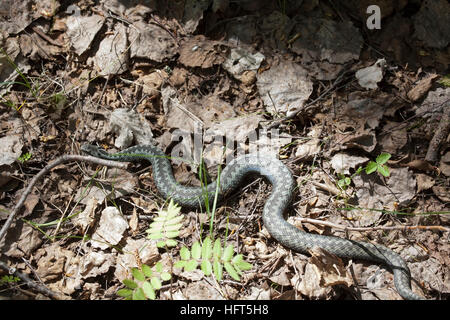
[(45, 170)]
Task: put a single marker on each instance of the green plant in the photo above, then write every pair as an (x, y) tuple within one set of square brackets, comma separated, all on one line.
[(8, 279), (378, 165), (212, 259), (203, 176), (445, 80), (166, 226), (24, 157), (344, 181), (144, 283)]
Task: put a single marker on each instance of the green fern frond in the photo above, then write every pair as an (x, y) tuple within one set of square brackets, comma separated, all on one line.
[(212, 259), (146, 281), (166, 226)]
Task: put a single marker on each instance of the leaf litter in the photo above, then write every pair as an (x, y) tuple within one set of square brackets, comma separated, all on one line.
[(131, 73)]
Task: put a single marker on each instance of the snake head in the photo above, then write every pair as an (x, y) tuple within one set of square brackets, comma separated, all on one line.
[(90, 149)]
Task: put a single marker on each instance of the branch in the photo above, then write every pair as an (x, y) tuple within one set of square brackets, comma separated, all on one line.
[(36, 286), (45, 170), (440, 135)]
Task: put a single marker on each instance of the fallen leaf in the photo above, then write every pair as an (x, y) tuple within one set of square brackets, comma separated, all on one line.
[(421, 165), (21, 239), (258, 294), (16, 16), (342, 162), (130, 127), (94, 264), (146, 250), (284, 88), (150, 41), (442, 192), (310, 148), (370, 76), (134, 222), (81, 31), (193, 13), (51, 262), (191, 116), (433, 275), (86, 218), (202, 290), (424, 182), (281, 276), (326, 43), (422, 87), (111, 57), (201, 52), (309, 284), (373, 194), (124, 182), (10, 149), (240, 61), (393, 138), (111, 228), (151, 83), (444, 165)]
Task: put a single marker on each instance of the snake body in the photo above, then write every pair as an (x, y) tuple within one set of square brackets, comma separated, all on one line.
[(283, 186)]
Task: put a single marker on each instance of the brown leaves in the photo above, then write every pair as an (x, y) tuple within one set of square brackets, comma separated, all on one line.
[(421, 88), (322, 272), (199, 52)]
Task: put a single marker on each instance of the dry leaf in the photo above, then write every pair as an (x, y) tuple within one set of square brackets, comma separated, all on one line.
[(421, 165), (424, 182), (130, 127), (150, 41), (111, 227), (10, 149), (332, 269), (86, 218), (201, 52), (202, 290), (370, 76), (444, 165), (146, 250), (82, 30), (284, 88), (94, 264), (111, 57), (421, 88), (124, 183), (342, 162), (309, 149)]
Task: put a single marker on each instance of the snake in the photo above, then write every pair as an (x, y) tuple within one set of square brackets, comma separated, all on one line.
[(283, 186)]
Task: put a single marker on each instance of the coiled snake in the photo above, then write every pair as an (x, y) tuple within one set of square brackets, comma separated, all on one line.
[(283, 185)]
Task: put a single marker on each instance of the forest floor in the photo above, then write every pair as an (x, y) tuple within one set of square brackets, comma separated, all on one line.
[(359, 115)]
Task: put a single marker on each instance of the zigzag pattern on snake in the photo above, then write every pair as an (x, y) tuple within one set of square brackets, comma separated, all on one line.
[(283, 186)]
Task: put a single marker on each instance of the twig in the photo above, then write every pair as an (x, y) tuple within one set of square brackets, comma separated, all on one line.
[(45, 170), (36, 286), (46, 37), (440, 135), (347, 228), (330, 189)]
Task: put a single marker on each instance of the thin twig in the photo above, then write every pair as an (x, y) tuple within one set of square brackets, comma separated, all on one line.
[(31, 283), (440, 135), (45, 170)]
